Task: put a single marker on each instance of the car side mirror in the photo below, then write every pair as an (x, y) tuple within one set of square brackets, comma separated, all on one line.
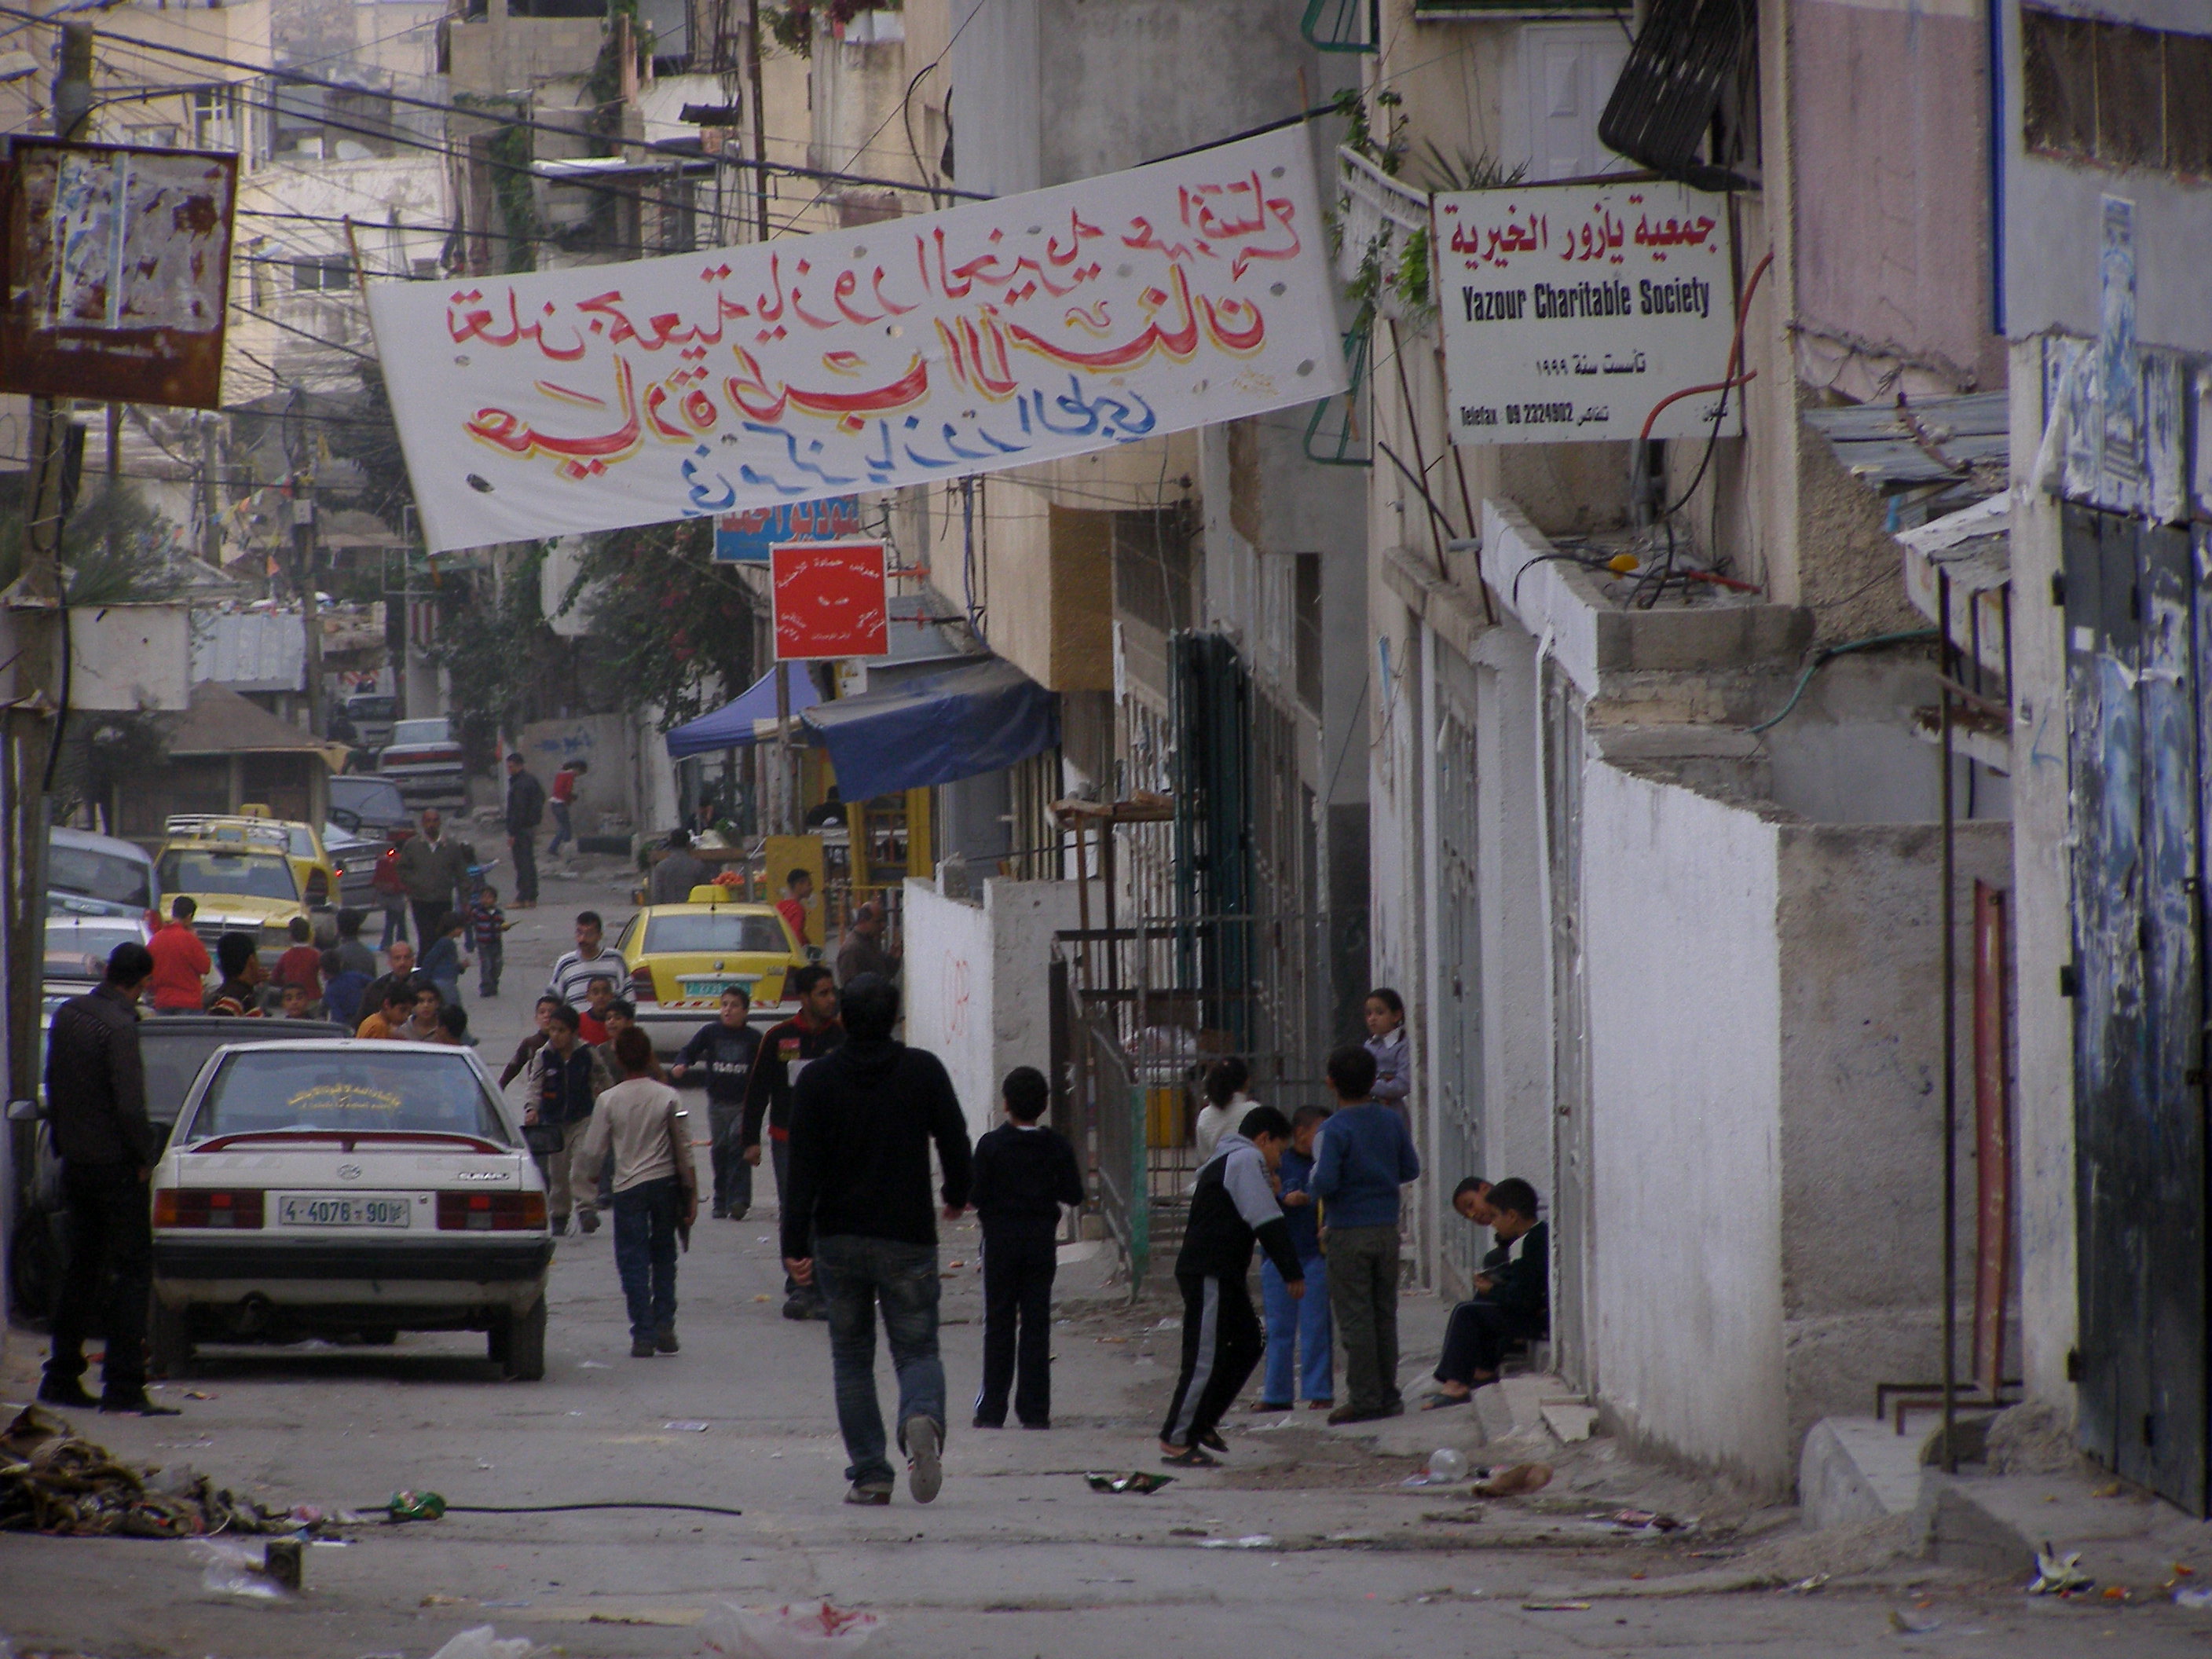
[(24, 1111)]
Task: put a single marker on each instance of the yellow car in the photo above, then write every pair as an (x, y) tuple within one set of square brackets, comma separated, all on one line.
[(303, 845), (241, 874), (682, 955)]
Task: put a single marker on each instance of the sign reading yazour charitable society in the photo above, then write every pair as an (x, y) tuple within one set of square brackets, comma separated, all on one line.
[(1570, 310), (830, 600)]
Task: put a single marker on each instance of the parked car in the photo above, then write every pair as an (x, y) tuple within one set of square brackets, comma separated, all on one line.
[(370, 714), (241, 873), (425, 761), (303, 845), (174, 1048), (90, 875), (321, 1186), (354, 857), (369, 806), (682, 957), (77, 949)]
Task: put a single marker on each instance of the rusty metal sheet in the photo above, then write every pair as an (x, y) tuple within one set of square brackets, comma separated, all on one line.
[(114, 271), (1993, 1170)]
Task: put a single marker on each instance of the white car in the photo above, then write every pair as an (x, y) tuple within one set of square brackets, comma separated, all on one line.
[(327, 1188)]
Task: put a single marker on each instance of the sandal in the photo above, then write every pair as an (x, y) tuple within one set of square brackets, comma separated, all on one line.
[(1191, 1457), (1212, 1441), (1439, 1402)]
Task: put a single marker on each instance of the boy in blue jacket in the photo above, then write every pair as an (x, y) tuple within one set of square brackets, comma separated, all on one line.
[(1366, 1155), (1301, 1338)]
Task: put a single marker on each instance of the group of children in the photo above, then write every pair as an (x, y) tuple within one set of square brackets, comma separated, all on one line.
[(314, 983)]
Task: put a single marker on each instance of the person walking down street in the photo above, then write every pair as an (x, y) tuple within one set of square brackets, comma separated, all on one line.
[(1232, 1207), (680, 871), (564, 803), (1393, 1052), (1366, 1155), (239, 996), (1023, 1173), (862, 950), (787, 1050), (1301, 1336), (96, 1112), (180, 962), (530, 1045), (656, 1189), (391, 891), (565, 1080), (525, 811), (488, 926), (858, 1218), (593, 958), (434, 868), (726, 1046)]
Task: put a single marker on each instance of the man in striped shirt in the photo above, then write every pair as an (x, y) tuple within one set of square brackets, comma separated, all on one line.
[(573, 973)]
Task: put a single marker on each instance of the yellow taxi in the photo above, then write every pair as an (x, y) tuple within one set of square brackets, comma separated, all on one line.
[(303, 844), (682, 957), (241, 873)]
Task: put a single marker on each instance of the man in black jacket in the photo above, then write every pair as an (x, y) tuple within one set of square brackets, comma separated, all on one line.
[(96, 1112), (525, 810), (1232, 1206), (727, 1048), (857, 1216), (1512, 1300), (1023, 1173)]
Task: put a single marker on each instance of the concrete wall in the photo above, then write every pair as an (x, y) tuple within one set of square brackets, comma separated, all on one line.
[(606, 801)]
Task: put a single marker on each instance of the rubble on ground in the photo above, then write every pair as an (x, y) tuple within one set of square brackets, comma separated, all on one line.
[(53, 1480)]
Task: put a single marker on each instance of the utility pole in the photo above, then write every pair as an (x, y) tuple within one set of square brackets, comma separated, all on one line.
[(303, 563), (210, 496), (35, 599), (760, 116)]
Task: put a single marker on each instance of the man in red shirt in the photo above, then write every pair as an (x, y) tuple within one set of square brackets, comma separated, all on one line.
[(798, 888), (180, 962)]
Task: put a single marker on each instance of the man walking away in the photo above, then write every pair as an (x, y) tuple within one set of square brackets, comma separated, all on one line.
[(656, 1190), (1366, 1155), (728, 1048), (857, 1215), (786, 1050), (180, 962), (96, 1110), (434, 869), (525, 811), (593, 958), (1232, 1206), (680, 871), (1023, 1173), (862, 950), (565, 1081), (564, 801)]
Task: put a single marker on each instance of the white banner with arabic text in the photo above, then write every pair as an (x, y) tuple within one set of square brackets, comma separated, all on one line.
[(987, 335)]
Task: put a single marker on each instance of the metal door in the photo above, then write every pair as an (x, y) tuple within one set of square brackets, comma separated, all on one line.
[(2135, 635)]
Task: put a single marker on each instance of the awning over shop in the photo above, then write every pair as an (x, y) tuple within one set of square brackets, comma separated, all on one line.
[(733, 725), (940, 729)]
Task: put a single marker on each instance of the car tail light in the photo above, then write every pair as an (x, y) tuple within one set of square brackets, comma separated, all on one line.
[(490, 1212), (641, 985), (207, 1206)]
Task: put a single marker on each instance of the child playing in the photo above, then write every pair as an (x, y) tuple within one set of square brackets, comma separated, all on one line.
[(1512, 1297), (1232, 1207), (488, 926), (1386, 1041), (342, 989), (301, 964), (444, 961), (726, 1046), (1023, 1173), (1226, 1103), (1299, 1328)]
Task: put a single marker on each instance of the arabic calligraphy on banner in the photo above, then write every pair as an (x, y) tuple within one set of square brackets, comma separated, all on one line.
[(1570, 310), (991, 335)]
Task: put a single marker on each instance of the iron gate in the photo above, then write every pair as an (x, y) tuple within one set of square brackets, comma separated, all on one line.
[(1456, 1077)]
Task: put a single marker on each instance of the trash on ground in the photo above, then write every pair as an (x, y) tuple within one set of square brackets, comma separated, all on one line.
[(2190, 1597), (2117, 1593), (1465, 1517), (415, 1506), (234, 1567), (484, 1642), (1516, 1482), (1555, 1607), (1650, 1521), (1811, 1586), (594, 1365), (1186, 1531), (800, 1630), (1257, 1540), (1906, 1625), (1137, 1480), (1447, 1464), (197, 1394), (1270, 1428), (436, 1600), (2057, 1575), (686, 1428), (53, 1480)]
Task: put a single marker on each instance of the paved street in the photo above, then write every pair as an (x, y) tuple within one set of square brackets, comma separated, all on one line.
[(1018, 1558)]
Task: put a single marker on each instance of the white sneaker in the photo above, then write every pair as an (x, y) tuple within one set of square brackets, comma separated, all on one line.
[(925, 1471)]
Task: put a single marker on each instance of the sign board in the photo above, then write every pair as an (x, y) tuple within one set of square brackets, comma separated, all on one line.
[(114, 264), (995, 334), (1570, 310), (745, 537), (830, 600)]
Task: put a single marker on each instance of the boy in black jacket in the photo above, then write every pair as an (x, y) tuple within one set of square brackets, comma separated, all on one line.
[(726, 1046), (1512, 1300), (1233, 1206), (1023, 1173)]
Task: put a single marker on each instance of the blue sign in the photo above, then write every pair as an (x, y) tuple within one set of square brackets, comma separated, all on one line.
[(745, 537)]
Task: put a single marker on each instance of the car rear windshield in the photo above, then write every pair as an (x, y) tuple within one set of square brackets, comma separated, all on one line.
[(248, 875), (78, 949), (715, 932), (372, 709), (99, 875), (350, 1089), (407, 732)]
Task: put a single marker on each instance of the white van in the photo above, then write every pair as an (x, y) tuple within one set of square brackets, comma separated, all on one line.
[(89, 875)]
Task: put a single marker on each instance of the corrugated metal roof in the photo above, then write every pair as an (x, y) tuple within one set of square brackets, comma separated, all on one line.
[(250, 651), (1917, 442)]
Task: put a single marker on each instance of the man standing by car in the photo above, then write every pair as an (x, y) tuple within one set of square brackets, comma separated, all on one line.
[(96, 1110), (563, 1085), (525, 810), (858, 1219), (434, 869), (180, 962), (786, 1050)]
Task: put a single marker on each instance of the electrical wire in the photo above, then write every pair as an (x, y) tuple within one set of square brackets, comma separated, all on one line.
[(1828, 653)]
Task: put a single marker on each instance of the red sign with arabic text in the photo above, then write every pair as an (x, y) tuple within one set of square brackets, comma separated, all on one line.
[(831, 599)]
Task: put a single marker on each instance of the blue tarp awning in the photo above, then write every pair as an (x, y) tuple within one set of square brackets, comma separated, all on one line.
[(732, 725), (940, 729)]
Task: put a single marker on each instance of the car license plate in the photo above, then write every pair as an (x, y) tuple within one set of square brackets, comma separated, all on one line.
[(714, 988), (308, 1210)]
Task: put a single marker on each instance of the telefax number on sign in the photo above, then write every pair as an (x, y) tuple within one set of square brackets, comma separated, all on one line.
[(1551, 414)]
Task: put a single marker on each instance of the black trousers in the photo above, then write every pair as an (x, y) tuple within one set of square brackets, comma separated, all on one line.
[(1018, 1276), (1221, 1341), (1476, 1339), (110, 1232), (428, 912), (524, 848)]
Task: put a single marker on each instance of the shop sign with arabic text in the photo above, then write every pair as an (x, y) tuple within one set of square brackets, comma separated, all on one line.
[(1570, 310), (987, 336)]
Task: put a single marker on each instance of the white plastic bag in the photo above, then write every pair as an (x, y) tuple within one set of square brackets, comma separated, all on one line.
[(484, 1642), (234, 1568), (799, 1629)]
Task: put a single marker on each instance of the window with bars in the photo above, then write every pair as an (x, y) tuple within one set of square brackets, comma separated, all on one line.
[(2115, 93), (324, 273)]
